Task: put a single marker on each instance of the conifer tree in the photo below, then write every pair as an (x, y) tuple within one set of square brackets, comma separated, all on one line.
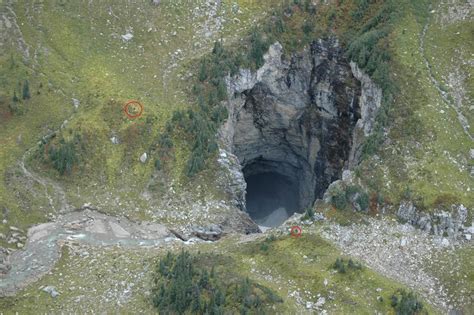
[(15, 98), (26, 90)]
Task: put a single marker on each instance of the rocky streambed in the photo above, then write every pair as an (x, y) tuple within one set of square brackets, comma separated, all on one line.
[(43, 247)]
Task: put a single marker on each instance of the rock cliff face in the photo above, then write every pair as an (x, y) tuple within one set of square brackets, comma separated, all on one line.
[(299, 117)]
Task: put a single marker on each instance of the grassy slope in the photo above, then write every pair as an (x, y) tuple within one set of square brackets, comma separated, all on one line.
[(79, 54), (457, 275), (85, 285), (429, 152)]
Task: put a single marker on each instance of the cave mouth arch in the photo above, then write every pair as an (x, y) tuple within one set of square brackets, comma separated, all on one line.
[(294, 126)]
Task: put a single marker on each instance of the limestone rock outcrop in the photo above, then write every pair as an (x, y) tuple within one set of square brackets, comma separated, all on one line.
[(298, 116)]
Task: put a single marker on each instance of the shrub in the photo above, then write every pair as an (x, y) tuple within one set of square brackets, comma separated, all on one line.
[(15, 98), (359, 12), (195, 163), (339, 265), (309, 214), (307, 27), (265, 245), (406, 303), (279, 25), (363, 201), (203, 71), (339, 200), (63, 156), (257, 48), (342, 267), (165, 141), (444, 201), (271, 238), (354, 265)]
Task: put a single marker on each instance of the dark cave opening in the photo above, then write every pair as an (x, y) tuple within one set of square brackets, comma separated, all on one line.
[(273, 192), (271, 198)]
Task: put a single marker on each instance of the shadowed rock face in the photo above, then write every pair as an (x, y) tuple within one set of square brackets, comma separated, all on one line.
[(295, 119)]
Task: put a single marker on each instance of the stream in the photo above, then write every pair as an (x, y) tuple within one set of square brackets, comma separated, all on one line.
[(43, 248)]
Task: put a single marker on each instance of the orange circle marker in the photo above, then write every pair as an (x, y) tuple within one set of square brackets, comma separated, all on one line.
[(127, 109), (295, 231)]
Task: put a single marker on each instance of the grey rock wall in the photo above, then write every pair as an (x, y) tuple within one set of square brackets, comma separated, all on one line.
[(298, 116)]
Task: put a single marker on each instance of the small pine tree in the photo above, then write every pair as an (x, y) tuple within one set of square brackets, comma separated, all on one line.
[(15, 98), (203, 71), (339, 265), (12, 62), (307, 27), (221, 90), (257, 49), (26, 90), (196, 303), (204, 280), (158, 164), (406, 303), (279, 25), (218, 49), (309, 214)]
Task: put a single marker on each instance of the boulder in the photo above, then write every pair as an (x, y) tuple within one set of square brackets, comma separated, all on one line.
[(76, 103), (127, 37), (407, 212), (115, 140), (210, 233), (51, 290)]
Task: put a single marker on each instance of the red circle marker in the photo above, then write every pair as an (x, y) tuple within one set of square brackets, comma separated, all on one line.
[(130, 105), (295, 231)]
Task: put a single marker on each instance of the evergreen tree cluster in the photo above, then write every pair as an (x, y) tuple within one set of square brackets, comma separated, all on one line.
[(22, 92), (342, 266), (351, 195), (406, 303), (63, 155), (369, 47), (183, 286), (200, 123)]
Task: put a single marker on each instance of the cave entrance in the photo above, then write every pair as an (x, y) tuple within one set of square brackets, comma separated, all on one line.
[(291, 126), (273, 191), (271, 198)]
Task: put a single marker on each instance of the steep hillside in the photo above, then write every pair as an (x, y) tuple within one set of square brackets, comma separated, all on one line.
[(131, 128), (81, 72)]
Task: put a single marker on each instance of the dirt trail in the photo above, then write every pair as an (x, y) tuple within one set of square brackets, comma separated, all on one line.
[(61, 195), (43, 248)]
